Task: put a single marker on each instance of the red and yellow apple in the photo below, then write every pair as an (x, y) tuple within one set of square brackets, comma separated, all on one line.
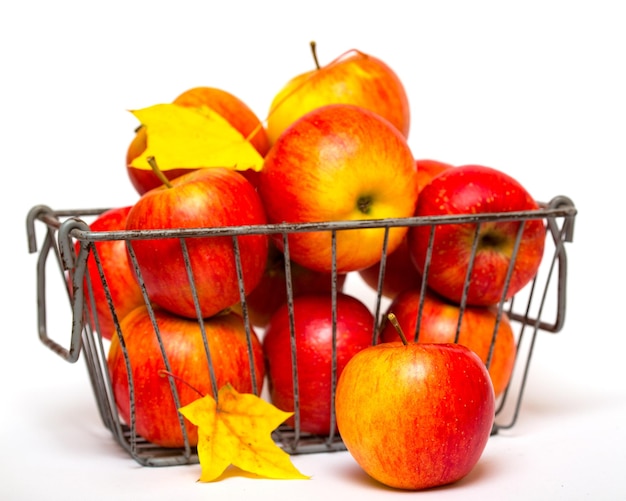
[(313, 337), (339, 163), (156, 416), (400, 271), (230, 107), (438, 324), (205, 198), (122, 286), (470, 190), (415, 416), (354, 78)]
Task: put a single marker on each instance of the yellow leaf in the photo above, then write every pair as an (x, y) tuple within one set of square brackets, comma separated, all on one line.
[(186, 138), (236, 429)]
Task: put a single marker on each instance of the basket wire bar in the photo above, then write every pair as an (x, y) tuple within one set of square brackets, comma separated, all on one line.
[(245, 315), (379, 288), (333, 372), (68, 238), (423, 285)]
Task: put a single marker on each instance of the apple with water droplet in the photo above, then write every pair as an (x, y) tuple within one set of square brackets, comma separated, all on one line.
[(415, 415)]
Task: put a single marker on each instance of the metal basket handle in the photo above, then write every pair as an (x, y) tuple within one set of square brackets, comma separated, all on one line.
[(65, 254)]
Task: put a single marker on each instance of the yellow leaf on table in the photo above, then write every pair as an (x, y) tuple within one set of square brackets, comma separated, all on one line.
[(236, 429), (185, 138)]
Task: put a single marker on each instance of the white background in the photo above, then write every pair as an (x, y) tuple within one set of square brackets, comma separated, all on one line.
[(535, 88)]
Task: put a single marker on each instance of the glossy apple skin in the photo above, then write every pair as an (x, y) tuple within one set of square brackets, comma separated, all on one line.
[(337, 163), (271, 293), (358, 78), (120, 278), (205, 198), (156, 415), (233, 109), (415, 416), (476, 189), (400, 271), (439, 325), (313, 337)]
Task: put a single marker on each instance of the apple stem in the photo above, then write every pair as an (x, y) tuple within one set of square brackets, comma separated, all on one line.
[(396, 325), (158, 172), (314, 52), (164, 373)]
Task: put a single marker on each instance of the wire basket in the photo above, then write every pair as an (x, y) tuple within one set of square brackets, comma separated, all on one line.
[(540, 306)]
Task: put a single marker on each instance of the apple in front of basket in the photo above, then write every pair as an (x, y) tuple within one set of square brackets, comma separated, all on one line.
[(204, 198), (429, 419)]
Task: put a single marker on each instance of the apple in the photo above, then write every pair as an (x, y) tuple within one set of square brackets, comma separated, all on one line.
[(313, 337), (155, 410), (427, 169), (400, 271), (339, 163), (233, 109), (438, 324), (469, 190), (354, 78), (120, 279), (415, 415), (204, 198), (271, 293)]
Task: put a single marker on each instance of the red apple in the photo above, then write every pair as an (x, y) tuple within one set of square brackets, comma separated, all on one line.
[(156, 416), (470, 190), (415, 416), (339, 163), (271, 293), (205, 198), (353, 78), (313, 336), (230, 107), (439, 321), (400, 271), (120, 278)]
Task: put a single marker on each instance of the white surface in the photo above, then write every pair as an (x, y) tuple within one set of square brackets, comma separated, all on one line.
[(536, 89)]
